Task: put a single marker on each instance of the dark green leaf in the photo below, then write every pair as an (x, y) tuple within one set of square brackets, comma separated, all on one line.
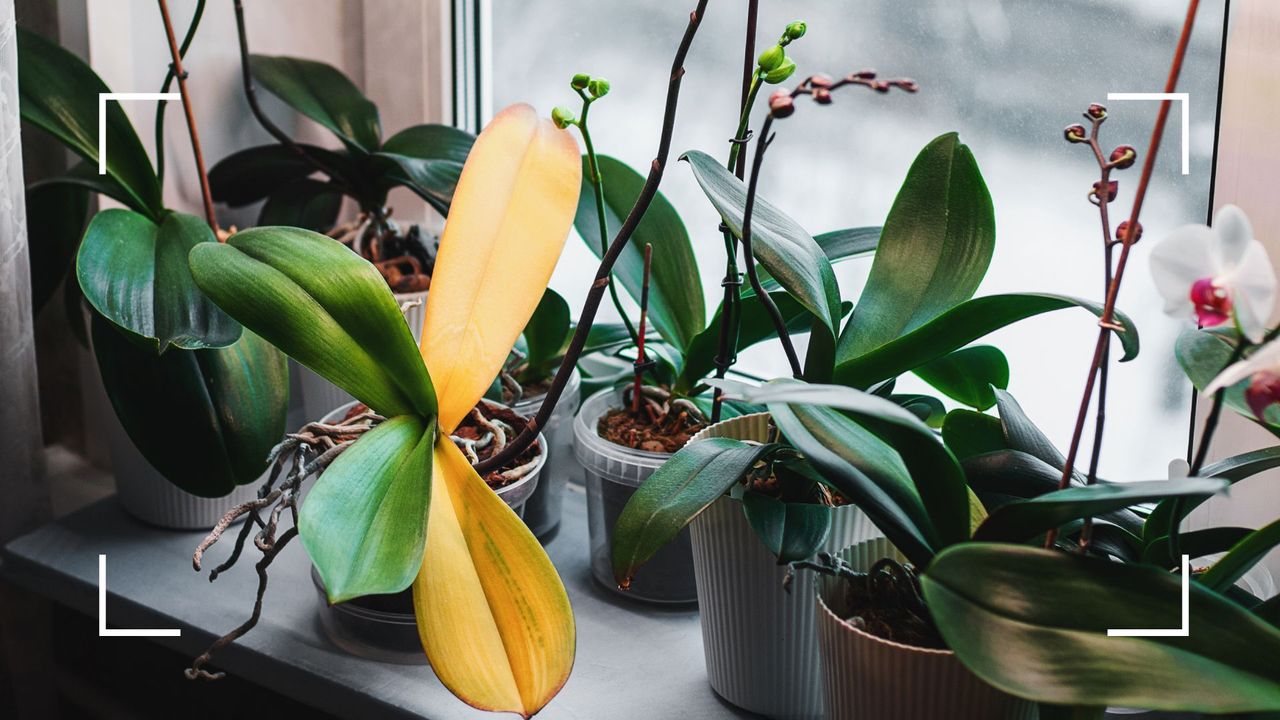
[(1196, 543), (325, 307), (322, 93), (1233, 469), (85, 176), (255, 173), (968, 375), (785, 249), (605, 337), (837, 245), (430, 158), (56, 215), (790, 530), (929, 409), (1241, 558), (135, 273), (305, 203), (674, 495), (1050, 612), (58, 93), (676, 305), (754, 326), (968, 433), (1021, 434), (933, 253), (206, 419), (1023, 520), (364, 523), (960, 326), (547, 330)]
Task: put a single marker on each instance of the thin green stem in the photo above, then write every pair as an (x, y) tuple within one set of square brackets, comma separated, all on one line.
[(744, 120), (168, 81)]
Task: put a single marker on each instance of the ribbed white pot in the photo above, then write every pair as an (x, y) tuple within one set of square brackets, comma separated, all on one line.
[(870, 677), (319, 396), (760, 642)]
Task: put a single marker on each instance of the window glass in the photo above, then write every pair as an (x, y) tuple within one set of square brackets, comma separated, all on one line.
[(1007, 75)]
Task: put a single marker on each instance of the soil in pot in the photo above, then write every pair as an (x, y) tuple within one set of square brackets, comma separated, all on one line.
[(887, 602), (655, 424)]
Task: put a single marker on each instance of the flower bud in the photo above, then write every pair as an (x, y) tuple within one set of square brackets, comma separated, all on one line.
[(782, 72), (1123, 157), (795, 30), (598, 87), (1097, 112), (822, 96), (781, 104), (1075, 133), (770, 59), (907, 85), (579, 81), (880, 86), (1122, 232), (864, 75), (821, 81), (563, 117), (1112, 188)]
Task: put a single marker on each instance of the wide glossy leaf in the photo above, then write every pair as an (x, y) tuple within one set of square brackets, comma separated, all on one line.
[(135, 273), (969, 434), (547, 330), (1242, 557), (322, 93), (253, 174), (205, 419), (325, 307), (1196, 543), (1034, 623), (364, 523), (928, 408), (430, 158), (784, 248), (934, 470), (934, 250), (1232, 469), (58, 93), (56, 214), (84, 175), (674, 495), (1021, 434), (676, 306), (510, 217), (837, 245), (1202, 356), (790, 530), (968, 375), (960, 326), (493, 616), (1022, 520), (305, 203)]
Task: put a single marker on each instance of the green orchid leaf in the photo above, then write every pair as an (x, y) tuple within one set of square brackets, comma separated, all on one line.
[(1195, 544), (674, 495), (934, 251), (86, 177), (364, 523), (968, 375), (255, 173), (792, 531), (305, 203), (135, 273), (1246, 553), (605, 337), (676, 306), (754, 326), (937, 476), (325, 307), (58, 93), (960, 326), (547, 331), (205, 419), (1021, 434), (429, 158), (969, 434), (1050, 612), (1233, 469), (928, 408), (57, 214), (784, 248), (1024, 519), (1203, 355), (838, 246), (322, 93)]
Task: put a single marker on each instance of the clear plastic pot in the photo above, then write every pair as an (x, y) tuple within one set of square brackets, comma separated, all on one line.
[(613, 473), (542, 511)]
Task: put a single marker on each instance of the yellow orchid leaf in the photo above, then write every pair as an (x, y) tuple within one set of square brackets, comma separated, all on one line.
[(493, 615), (511, 212)]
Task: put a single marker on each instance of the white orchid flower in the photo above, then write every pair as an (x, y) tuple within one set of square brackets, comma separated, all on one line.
[(1217, 274), (1263, 370)]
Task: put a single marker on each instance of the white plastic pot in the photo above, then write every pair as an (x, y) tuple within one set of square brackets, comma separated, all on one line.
[(870, 677), (760, 640), (542, 511), (613, 472)]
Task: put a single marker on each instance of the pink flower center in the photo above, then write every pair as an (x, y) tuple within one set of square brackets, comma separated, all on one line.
[(1263, 392), (1212, 302)]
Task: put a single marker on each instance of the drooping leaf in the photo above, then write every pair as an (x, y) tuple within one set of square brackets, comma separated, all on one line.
[(56, 216), (510, 216), (784, 248), (253, 174), (1196, 543), (135, 273), (968, 375), (968, 433), (1232, 469), (1050, 612), (1022, 520), (676, 306), (1021, 434), (1242, 557), (960, 326), (322, 305), (674, 495), (305, 203), (85, 176), (547, 330), (205, 419), (934, 249), (493, 616), (790, 530), (429, 157), (58, 93), (322, 93)]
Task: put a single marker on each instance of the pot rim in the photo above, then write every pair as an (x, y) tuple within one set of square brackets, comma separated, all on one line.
[(585, 434), (703, 434), (864, 635)]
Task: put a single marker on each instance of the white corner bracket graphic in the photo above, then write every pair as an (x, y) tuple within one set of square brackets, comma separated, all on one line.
[(1183, 631), (102, 117), (103, 630), (1185, 100)]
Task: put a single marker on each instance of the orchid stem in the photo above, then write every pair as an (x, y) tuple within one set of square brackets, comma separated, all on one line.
[(181, 75), (196, 15), (641, 364)]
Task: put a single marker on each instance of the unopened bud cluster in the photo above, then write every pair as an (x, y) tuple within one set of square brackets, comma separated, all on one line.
[(595, 87), (773, 64), (1124, 156), (820, 88)]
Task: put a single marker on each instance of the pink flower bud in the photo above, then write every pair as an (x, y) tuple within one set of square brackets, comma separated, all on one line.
[(1122, 232), (1075, 133), (1112, 187), (1097, 112), (1123, 157), (865, 75), (821, 81), (822, 96), (781, 104)]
